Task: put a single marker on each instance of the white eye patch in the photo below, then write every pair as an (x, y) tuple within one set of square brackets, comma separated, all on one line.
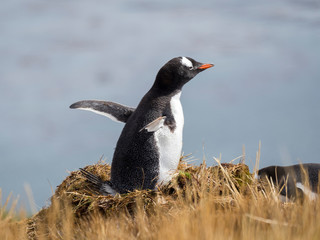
[(186, 62)]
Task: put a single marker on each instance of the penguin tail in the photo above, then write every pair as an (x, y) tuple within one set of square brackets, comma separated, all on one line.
[(103, 187)]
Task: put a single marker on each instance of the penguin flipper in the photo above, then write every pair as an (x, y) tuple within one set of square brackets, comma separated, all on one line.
[(311, 195), (114, 111), (102, 187), (155, 125)]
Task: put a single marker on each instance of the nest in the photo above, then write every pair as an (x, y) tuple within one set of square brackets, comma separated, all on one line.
[(189, 183)]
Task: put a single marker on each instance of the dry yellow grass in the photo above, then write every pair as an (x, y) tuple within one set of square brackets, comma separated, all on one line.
[(221, 202)]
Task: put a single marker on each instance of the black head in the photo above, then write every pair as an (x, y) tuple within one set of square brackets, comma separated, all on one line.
[(177, 72)]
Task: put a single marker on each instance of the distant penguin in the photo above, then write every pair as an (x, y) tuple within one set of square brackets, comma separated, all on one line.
[(300, 178), (150, 145)]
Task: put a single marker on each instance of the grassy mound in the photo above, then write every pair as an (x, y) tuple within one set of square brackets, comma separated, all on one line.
[(201, 202), (188, 185)]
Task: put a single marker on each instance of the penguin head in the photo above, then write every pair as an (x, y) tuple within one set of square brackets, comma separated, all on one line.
[(177, 72)]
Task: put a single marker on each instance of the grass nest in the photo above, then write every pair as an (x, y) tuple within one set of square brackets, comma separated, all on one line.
[(189, 183)]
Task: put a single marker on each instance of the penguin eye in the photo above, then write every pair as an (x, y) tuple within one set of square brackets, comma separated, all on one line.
[(190, 68)]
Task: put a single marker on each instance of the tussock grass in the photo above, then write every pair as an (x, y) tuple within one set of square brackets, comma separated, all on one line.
[(201, 202)]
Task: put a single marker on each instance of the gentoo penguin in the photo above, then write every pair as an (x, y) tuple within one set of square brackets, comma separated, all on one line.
[(300, 178), (149, 147)]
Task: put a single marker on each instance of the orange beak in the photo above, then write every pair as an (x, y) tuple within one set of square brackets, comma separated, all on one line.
[(205, 66)]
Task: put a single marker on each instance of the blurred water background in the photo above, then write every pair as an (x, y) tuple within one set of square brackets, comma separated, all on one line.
[(264, 86)]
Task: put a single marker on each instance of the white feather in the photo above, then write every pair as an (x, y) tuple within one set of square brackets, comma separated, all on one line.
[(155, 125), (106, 187), (186, 62), (170, 143), (101, 113), (256, 176), (311, 195)]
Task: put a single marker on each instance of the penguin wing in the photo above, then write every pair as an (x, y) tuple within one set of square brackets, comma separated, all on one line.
[(114, 111), (155, 125)]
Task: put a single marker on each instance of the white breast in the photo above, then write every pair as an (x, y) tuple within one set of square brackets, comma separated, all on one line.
[(170, 143)]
